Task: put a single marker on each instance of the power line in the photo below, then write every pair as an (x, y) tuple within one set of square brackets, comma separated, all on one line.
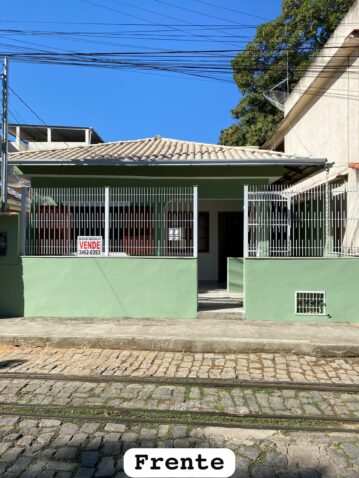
[(210, 64), (205, 37), (194, 11), (27, 106), (142, 35), (186, 69), (221, 7), (13, 115), (120, 24), (180, 7)]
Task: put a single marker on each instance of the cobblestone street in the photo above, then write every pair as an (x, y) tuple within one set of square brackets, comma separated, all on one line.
[(164, 397), (260, 366), (66, 447), (53, 448)]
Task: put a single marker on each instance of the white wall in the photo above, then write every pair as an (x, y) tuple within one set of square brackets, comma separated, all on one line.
[(330, 127), (208, 262), (349, 23), (45, 145)]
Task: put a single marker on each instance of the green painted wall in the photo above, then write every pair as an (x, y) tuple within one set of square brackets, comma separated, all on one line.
[(11, 290), (207, 189), (102, 287), (90, 287), (270, 285), (11, 286), (220, 187), (235, 275), (10, 224), (246, 172)]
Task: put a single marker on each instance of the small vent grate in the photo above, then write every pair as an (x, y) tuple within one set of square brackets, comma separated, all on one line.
[(310, 303)]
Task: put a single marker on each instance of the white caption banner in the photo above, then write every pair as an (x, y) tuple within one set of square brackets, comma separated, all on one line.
[(179, 462)]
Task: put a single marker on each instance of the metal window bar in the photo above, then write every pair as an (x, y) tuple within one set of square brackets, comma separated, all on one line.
[(310, 303), (138, 221), (283, 221)]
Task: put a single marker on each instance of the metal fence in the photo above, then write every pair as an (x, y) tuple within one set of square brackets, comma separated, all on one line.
[(282, 221), (139, 221)]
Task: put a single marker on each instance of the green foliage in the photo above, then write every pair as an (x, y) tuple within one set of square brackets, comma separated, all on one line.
[(298, 33)]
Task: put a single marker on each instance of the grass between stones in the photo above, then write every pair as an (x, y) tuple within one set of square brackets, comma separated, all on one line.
[(202, 419)]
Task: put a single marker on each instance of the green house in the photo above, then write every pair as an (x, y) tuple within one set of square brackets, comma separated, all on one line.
[(132, 228)]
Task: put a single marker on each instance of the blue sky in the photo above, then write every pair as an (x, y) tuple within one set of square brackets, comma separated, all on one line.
[(123, 104)]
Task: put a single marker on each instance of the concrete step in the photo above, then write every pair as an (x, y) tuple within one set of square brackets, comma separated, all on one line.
[(221, 314)]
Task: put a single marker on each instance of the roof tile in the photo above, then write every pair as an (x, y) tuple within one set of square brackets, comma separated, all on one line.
[(155, 148)]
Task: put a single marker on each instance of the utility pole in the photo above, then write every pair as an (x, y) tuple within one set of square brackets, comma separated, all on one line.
[(4, 140)]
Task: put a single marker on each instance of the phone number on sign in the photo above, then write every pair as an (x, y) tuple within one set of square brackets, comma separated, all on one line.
[(90, 252)]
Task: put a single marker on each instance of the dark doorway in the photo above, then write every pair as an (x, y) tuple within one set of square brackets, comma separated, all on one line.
[(230, 240)]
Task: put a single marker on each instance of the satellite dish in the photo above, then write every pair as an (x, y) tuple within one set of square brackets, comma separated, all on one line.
[(278, 94)]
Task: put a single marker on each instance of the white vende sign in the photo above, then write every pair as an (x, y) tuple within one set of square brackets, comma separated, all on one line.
[(89, 245)]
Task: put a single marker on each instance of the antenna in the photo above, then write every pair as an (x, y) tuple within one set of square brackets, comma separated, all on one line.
[(278, 94)]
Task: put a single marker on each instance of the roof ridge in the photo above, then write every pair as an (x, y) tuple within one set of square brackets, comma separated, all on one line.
[(82, 146), (246, 148)]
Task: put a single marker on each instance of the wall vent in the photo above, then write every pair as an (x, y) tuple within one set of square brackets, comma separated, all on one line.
[(310, 303)]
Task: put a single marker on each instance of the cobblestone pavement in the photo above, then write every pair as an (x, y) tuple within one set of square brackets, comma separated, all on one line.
[(49, 448), (189, 398), (66, 448), (282, 367)]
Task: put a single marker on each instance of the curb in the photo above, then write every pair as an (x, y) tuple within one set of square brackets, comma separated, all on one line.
[(168, 344)]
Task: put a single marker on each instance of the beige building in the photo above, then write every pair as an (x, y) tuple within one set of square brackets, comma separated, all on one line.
[(321, 114)]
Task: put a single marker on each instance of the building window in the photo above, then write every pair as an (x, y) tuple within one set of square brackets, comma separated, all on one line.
[(310, 303), (203, 232)]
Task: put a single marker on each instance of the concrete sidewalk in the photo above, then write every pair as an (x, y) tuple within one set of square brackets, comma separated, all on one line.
[(199, 335)]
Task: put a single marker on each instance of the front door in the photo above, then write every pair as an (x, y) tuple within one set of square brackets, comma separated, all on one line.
[(230, 240)]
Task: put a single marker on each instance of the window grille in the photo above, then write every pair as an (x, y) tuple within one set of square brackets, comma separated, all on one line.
[(310, 303), (153, 221), (285, 221)]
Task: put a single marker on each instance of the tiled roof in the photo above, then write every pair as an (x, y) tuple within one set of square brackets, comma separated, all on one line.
[(156, 148)]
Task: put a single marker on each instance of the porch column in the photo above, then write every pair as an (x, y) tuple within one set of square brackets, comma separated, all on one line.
[(328, 231), (107, 221), (195, 221), (23, 221), (160, 223), (263, 229)]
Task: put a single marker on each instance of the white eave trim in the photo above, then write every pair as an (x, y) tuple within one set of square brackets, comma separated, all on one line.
[(163, 162)]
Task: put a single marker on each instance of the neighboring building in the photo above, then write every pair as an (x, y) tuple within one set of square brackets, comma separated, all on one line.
[(321, 119), (39, 137), (321, 114), (29, 137)]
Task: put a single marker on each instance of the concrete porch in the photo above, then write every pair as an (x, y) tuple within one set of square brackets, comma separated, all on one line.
[(214, 302)]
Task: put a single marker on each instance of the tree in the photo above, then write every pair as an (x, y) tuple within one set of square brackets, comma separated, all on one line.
[(291, 39)]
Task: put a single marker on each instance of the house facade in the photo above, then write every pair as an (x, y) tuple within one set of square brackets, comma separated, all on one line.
[(168, 214), (132, 228)]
